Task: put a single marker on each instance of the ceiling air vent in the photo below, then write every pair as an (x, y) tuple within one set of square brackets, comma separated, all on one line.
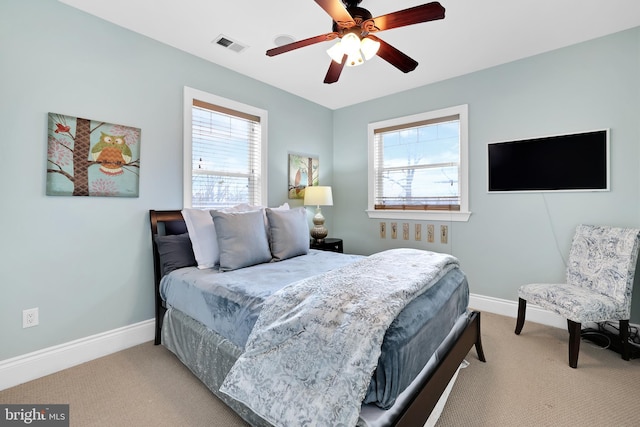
[(230, 44)]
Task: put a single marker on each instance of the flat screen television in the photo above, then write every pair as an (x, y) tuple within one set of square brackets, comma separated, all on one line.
[(573, 162)]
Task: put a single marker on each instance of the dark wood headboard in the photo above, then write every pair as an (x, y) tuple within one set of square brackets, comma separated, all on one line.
[(162, 222)]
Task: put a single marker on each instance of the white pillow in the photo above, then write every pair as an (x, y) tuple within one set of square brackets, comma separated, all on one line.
[(203, 237)]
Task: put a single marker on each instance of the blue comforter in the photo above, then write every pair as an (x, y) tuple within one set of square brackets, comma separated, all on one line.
[(229, 304), (311, 354)]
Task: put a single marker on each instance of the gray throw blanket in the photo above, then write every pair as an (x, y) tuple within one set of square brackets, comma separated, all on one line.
[(311, 354)]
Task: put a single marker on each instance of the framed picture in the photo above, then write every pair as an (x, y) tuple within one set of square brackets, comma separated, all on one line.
[(303, 173), (92, 158)]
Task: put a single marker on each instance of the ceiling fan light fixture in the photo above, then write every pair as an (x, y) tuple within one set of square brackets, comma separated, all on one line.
[(350, 44), (336, 52), (369, 48), (354, 48)]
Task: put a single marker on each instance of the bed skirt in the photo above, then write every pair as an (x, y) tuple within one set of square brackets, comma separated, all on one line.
[(197, 346)]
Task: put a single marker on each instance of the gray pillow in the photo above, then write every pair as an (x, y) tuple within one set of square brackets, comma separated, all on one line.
[(242, 239), (289, 232), (175, 252)]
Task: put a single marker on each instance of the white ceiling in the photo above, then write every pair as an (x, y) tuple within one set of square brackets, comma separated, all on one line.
[(474, 35)]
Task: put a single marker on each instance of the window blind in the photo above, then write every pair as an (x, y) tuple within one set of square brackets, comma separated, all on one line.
[(417, 165), (226, 156)]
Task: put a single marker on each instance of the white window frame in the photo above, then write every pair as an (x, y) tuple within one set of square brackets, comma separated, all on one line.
[(463, 180), (189, 95)]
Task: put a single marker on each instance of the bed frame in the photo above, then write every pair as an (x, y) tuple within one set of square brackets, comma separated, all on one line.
[(419, 406)]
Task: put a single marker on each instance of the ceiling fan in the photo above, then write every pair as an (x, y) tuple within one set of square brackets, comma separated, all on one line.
[(354, 26)]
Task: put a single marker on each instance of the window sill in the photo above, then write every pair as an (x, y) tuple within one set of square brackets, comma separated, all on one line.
[(420, 215)]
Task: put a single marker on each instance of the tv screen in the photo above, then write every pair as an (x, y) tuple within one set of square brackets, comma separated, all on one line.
[(576, 162)]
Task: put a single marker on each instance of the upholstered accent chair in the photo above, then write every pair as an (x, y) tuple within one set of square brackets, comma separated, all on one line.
[(600, 272)]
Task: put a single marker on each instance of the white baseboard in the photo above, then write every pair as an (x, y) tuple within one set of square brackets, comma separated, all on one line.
[(510, 309), (47, 361), (43, 362)]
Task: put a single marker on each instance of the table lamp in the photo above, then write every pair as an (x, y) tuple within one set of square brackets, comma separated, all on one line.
[(318, 196)]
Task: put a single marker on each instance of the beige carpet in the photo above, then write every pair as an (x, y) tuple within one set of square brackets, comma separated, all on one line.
[(525, 382)]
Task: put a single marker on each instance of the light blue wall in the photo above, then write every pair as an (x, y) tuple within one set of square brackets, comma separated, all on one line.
[(512, 239), (86, 262)]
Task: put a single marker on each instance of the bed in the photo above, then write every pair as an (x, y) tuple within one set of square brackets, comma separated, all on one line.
[(188, 322)]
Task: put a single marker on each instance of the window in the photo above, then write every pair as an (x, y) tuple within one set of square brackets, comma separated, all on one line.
[(224, 152), (418, 167)]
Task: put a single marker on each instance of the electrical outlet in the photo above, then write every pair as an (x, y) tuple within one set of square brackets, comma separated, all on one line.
[(444, 234), (30, 317)]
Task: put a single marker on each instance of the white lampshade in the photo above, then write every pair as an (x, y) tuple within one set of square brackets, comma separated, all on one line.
[(318, 196), (336, 52), (369, 47), (350, 43)]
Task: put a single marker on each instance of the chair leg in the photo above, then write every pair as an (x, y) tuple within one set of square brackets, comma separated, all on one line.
[(574, 342), (522, 308), (624, 338)]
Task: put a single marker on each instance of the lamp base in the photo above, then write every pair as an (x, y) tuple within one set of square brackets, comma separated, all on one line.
[(318, 231), (318, 234)]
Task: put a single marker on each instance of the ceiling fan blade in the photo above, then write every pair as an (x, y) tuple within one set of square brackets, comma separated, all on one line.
[(301, 43), (394, 57), (413, 15), (338, 12), (335, 69)]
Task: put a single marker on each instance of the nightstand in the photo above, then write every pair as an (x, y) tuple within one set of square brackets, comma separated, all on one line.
[(330, 244)]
